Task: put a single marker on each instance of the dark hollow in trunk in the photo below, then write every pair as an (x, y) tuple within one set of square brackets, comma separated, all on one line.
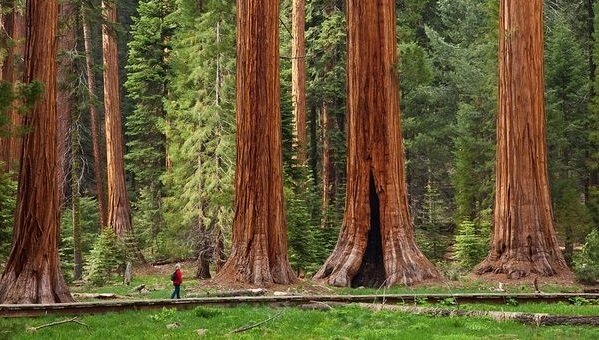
[(372, 270)]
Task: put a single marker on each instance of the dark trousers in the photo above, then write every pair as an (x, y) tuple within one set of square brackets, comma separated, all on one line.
[(176, 292)]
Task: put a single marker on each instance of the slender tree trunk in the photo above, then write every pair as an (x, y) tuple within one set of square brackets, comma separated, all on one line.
[(32, 273), (376, 245), (93, 117), (524, 240), (14, 28), (259, 254), (328, 167), (119, 210), (75, 197), (298, 74), (66, 44)]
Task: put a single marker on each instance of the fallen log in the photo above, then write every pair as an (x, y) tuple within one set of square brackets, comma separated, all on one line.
[(243, 292), (538, 319), (75, 320), (101, 296), (171, 261)]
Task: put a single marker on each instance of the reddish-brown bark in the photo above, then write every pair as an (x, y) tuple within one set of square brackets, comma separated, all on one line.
[(298, 74), (93, 117), (119, 209), (376, 245), (32, 273), (259, 253), (524, 240), (10, 146)]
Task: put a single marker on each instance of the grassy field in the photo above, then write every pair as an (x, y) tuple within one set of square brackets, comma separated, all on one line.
[(340, 323)]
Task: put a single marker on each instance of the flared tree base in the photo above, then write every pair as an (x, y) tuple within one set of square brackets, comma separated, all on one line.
[(257, 272), (520, 267), (33, 286)]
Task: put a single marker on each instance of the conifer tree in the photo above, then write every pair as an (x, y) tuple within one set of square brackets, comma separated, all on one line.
[(146, 88), (200, 128)]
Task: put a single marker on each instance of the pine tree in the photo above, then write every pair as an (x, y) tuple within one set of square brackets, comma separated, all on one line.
[(567, 89), (146, 88), (200, 128)]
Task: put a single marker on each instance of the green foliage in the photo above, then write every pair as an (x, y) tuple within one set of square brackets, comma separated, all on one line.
[(149, 50), (586, 262), (165, 315), (580, 301), (448, 302), (8, 201), (510, 301), (434, 220), (90, 227), (148, 219), (471, 243), (106, 258), (206, 313), (200, 126)]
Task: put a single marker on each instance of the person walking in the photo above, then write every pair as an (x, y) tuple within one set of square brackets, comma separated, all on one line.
[(177, 278)]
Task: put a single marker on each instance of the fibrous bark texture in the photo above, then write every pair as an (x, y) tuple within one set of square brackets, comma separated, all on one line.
[(32, 273), (298, 73), (93, 117), (524, 240), (119, 210), (259, 253), (376, 246)]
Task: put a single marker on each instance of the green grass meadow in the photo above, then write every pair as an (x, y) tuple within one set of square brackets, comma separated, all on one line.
[(350, 322)]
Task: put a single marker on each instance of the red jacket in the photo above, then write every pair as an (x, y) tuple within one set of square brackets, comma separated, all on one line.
[(178, 278)]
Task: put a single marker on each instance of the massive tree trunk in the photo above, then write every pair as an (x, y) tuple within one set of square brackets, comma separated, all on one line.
[(93, 117), (14, 29), (376, 246), (298, 73), (32, 273), (119, 210), (524, 240), (259, 254)]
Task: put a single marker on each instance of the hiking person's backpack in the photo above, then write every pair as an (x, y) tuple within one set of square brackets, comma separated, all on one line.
[(174, 276)]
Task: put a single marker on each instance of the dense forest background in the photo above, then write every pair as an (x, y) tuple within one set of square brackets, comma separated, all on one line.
[(177, 61)]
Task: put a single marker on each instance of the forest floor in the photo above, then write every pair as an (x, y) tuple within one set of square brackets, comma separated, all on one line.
[(158, 286)]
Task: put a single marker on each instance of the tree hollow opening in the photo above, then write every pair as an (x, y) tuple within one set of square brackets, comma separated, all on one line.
[(372, 270)]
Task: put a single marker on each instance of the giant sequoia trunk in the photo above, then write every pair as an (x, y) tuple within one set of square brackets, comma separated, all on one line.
[(119, 210), (376, 245), (32, 273), (93, 117), (298, 73), (259, 254), (524, 240)]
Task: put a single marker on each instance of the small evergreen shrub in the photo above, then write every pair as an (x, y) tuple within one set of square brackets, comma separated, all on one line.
[(471, 243), (586, 262), (105, 258), (8, 201)]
